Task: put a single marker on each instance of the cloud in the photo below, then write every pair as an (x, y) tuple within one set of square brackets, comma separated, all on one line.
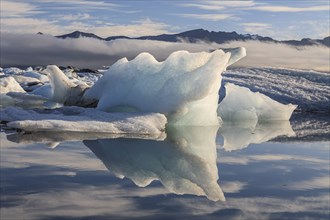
[(31, 49), (73, 17), (209, 17), (82, 4), (138, 28), (271, 8), (103, 29), (254, 27), (17, 9), (219, 5)]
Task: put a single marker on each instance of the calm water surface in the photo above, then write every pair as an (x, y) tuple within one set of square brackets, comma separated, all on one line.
[(235, 172)]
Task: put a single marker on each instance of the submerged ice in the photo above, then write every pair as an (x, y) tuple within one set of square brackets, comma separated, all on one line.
[(184, 87)]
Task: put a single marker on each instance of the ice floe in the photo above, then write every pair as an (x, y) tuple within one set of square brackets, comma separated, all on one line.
[(83, 120)]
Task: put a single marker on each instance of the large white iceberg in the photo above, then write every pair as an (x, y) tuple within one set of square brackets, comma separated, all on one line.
[(241, 104), (184, 87), (185, 163)]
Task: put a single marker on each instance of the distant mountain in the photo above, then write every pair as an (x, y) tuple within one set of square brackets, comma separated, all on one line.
[(77, 34), (197, 35)]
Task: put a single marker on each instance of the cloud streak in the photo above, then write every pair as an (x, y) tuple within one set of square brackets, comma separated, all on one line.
[(209, 17)]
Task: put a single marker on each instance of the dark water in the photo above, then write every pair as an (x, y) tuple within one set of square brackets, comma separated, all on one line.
[(235, 172)]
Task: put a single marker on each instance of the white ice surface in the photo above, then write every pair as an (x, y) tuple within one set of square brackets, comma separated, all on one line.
[(44, 91), (42, 78), (9, 84), (240, 104), (185, 163), (84, 120), (184, 87)]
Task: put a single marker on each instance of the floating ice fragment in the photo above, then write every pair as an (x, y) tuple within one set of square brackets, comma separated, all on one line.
[(63, 89), (78, 119), (184, 87), (9, 84), (242, 104)]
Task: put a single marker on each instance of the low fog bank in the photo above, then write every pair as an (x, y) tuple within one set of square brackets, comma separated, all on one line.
[(34, 50)]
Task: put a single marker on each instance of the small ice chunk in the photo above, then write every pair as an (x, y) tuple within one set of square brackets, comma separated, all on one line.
[(42, 78), (45, 91), (9, 84), (63, 89), (241, 104)]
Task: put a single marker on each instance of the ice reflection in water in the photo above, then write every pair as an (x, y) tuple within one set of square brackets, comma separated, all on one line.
[(184, 159), (185, 163), (237, 136), (270, 180)]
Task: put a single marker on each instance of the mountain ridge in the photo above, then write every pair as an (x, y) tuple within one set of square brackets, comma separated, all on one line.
[(197, 35)]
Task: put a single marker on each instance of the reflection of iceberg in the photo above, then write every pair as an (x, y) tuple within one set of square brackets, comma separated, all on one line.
[(237, 136), (184, 87), (241, 104), (185, 163)]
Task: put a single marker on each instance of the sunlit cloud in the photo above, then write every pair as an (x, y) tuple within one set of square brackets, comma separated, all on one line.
[(72, 17), (218, 5), (209, 17), (254, 27), (271, 8), (17, 9), (54, 27)]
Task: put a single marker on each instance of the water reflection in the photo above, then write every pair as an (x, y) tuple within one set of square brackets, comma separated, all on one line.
[(237, 136), (274, 180), (185, 163), (184, 159)]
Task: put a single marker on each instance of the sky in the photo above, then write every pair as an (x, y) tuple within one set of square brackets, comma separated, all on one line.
[(280, 19)]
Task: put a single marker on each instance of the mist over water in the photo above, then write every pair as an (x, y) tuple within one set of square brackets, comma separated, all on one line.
[(32, 50)]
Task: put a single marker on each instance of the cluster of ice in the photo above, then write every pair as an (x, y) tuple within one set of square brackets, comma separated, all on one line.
[(308, 89), (185, 163), (84, 120), (241, 104), (184, 87)]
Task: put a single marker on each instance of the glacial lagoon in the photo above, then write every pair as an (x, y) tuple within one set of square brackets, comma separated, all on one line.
[(236, 171)]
